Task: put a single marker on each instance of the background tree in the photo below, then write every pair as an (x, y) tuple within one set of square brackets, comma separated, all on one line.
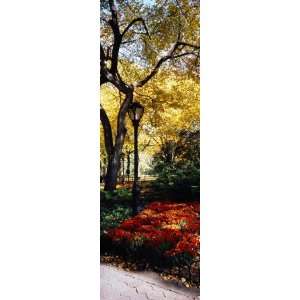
[(148, 37), (177, 166)]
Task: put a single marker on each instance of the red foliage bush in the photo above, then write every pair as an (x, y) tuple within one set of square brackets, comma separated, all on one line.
[(176, 225)]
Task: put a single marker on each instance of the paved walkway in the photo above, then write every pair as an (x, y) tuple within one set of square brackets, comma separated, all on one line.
[(117, 284)]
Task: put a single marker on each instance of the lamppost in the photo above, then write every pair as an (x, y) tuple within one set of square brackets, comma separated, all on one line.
[(128, 166), (135, 113), (123, 166)]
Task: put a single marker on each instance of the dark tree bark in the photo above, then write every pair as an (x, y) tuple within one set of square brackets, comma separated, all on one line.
[(108, 139), (114, 161)]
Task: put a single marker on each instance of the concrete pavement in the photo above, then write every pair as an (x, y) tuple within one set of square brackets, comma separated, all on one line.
[(118, 284)]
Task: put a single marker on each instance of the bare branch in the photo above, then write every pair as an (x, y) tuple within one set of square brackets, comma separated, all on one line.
[(102, 53), (153, 72), (117, 36), (184, 54), (103, 77), (182, 12), (113, 10), (103, 19), (196, 47), (141, 32), (146, 145), (133, 22), (115, 80), (168, 56), (129, 42)]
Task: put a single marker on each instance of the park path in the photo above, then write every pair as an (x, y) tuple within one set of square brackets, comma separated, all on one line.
[(118, 284)]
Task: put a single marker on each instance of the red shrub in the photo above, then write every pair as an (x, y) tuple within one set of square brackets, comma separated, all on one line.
[(164, 222), (119, 234)]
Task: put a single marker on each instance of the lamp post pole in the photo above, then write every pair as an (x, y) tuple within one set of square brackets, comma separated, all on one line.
[(122, 167), (128, 167), (135, 187), (135, 112)]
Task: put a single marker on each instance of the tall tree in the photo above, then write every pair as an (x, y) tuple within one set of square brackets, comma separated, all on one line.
[(150, 37)]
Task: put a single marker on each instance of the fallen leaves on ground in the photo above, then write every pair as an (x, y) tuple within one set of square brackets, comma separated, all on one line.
[(167, 275)]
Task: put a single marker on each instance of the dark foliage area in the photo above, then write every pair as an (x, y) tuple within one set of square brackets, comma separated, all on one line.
[(177, 166), (115, 207)]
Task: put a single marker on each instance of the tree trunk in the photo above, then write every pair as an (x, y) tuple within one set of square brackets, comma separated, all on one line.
[(114, 161), (112, 173), (108, 139)]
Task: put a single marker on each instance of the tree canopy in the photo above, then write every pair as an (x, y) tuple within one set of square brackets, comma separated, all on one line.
[(149, 53)]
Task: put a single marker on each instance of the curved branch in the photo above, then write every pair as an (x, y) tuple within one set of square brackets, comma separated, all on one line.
[(153, 72), (185, 54), (188, 45), (170, 55), (117, 36), (133, 22), (102, 57)]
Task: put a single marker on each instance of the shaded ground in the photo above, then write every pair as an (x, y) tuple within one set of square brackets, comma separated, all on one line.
[(117, 284)]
